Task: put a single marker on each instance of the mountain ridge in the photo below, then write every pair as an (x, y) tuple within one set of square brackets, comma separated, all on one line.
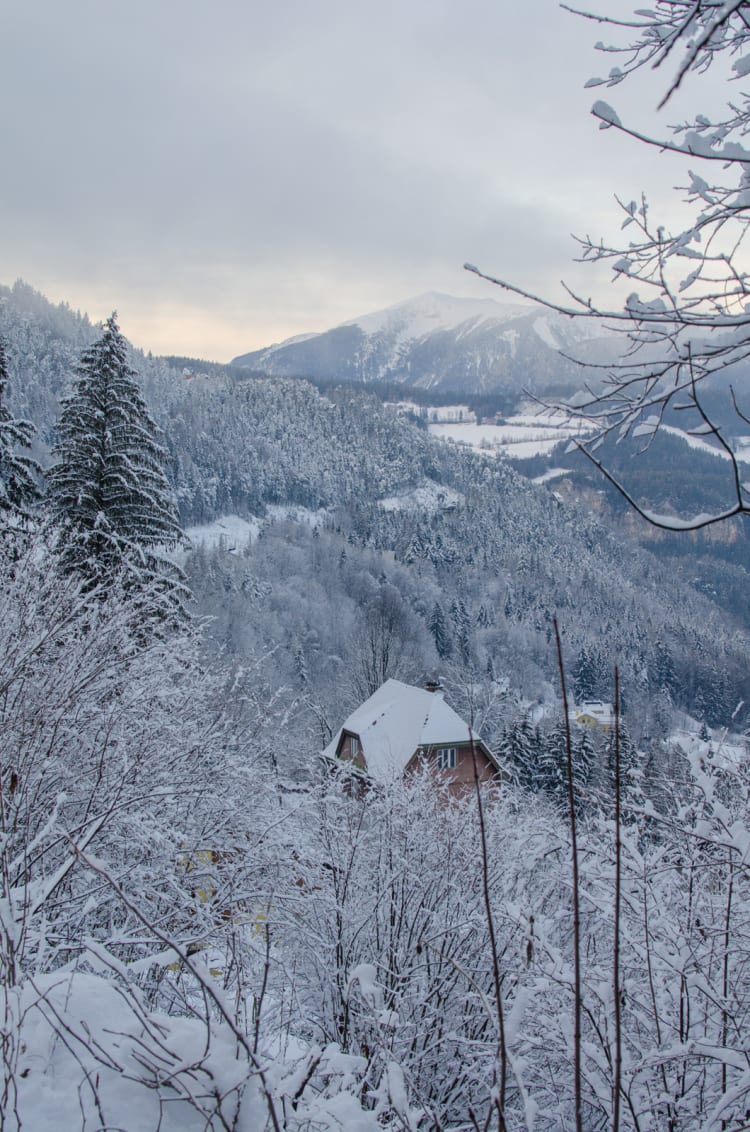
[(440, 342)]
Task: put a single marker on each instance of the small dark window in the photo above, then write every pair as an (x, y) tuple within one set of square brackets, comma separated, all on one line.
[(446, 758)]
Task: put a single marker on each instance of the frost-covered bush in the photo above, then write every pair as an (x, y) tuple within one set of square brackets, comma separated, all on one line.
[(137, 856), (382, 946)]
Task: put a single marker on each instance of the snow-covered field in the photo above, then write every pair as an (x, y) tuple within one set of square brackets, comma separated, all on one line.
[(536, 434), (517, 438), (551, 474)]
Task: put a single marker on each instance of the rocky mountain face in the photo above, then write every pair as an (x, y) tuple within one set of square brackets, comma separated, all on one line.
[(442, 343)]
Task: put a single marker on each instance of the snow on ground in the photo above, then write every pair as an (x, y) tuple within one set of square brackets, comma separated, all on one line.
[(742, 448), (295, 340), (234, 533), (550, 418), (551, 474), (427, 313), (428, 497), (696, 441), (546, 332), (512, 337), (279, 513), (86, 1053), (519, 437), (531, 433), (741, 443), (63, 1084), (230, 530), (722, 748)]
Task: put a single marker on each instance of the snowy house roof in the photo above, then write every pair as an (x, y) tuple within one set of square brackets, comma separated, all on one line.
[(395, 723)]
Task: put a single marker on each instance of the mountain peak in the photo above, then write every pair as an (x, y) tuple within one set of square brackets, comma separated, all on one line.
[(424, 314), (436, 341)]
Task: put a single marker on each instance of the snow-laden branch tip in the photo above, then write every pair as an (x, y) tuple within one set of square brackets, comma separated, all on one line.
[(607, 116)]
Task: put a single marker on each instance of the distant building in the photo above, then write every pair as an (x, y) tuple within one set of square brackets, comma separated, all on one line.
[(400, 728), (595, 714)]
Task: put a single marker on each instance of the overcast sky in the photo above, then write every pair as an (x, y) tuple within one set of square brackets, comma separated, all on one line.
[(228, 174)]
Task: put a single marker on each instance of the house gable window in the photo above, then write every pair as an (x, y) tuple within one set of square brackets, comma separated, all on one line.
[(353, 746), (446, 758)]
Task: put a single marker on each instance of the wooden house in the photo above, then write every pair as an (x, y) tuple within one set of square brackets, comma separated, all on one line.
[(400, 729)]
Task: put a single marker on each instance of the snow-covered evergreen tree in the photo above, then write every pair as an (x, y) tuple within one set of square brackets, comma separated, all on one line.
[(519, 753), (440, 632), (628, 758), (583, 759), (108, 488), (552, 774), (18, 488), (592, 676)]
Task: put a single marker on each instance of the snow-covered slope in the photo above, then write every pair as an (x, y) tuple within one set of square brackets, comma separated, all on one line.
[(426, 314), (442, 342)]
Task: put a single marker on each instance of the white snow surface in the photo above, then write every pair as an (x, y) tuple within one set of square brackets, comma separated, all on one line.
[(722, 749), (53, 1093), (551, 474), (278, 512), (230, 530), (293, 341), (741, 443), (395, 722), (742, 449), (696, 441), (427, 497), (433, 311), (90, 1055), (518, 437), (511, 337), (546, 332), (233, 532)]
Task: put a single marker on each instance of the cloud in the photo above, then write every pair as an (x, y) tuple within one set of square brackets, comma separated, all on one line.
[(247, 170)]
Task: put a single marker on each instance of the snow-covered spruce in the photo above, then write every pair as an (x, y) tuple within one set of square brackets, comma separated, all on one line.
[(108, 487), (18, 485)]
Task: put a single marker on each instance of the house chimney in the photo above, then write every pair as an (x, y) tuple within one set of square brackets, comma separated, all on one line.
[(433, 686)]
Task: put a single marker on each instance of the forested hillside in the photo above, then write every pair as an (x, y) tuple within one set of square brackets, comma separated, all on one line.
[(463, 561)]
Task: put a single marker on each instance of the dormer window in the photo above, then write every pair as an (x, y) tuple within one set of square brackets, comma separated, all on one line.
[(446, 758)]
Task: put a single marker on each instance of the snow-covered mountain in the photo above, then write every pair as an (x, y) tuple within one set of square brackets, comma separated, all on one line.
[(441, 342)]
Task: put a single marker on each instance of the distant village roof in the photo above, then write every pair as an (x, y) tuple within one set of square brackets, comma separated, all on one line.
[(395, 722)]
